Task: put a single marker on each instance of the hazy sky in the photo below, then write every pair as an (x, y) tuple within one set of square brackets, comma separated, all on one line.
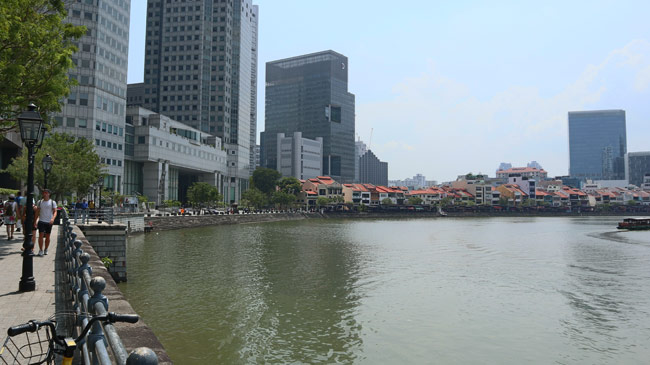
[(451, 87)]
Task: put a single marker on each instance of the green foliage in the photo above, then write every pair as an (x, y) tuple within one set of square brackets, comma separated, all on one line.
[(283, 199), (632, 203), (363, 207), (290, 185), (265, 180), (414, 200), (529, 203), (201, 193), (111, 197), (446, 201), (172, 203), (337, 199), (255, 198), (386, 201), (503, 201), (107, 262), (322, 201), (4, 191), (76, 165), (35, 56)]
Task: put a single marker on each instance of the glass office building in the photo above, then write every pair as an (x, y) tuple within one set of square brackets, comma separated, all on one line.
[(309, 94), (637, 166), (597, 145)]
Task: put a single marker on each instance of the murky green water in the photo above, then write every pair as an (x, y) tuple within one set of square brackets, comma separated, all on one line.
[(464, 291)]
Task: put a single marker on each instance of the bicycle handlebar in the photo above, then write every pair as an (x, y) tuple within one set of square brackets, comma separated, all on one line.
[(22, 328), (111, 317), (129, 318)]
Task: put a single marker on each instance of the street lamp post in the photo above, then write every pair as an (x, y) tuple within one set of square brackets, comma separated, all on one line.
[(100, 185), (47, 167), (32, 132)]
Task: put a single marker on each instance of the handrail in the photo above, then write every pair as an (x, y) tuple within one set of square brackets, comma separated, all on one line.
[(86, 292)]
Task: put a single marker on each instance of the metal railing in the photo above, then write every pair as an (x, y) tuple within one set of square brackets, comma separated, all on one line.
[(97, 215), (88, 300)]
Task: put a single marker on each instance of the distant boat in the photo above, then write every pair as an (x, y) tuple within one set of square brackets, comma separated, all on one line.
[(440, 212), (634, 223)]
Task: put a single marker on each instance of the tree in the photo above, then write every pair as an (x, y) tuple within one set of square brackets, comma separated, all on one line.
[(76, 165), (387, 201), (201, 193), (290, 185), (322, 201), (35, 56), (415, 200), (265, 180), (283, 199), (446, 201), (255, 197)]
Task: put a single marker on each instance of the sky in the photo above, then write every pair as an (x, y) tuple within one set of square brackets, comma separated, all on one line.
[(451, 87)]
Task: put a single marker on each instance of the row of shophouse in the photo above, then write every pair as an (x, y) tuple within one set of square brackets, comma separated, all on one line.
[(477, 190)]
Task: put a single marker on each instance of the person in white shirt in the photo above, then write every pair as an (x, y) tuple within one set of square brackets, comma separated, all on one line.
[(9, 216), (45, 214)]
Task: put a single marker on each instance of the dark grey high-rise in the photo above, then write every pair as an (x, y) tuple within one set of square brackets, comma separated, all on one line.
[(200, 67), (372, 171), (309, 94), (597, 145)]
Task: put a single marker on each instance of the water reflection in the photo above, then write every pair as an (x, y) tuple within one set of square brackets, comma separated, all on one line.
[(265, 296), (598, 290)]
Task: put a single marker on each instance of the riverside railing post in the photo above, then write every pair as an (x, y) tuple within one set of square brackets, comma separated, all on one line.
[(96, 337), (142, 356)]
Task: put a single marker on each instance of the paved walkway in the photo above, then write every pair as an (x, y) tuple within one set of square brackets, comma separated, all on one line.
[(17, 308)]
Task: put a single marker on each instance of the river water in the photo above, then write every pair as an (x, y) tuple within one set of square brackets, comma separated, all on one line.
[(443, 290)]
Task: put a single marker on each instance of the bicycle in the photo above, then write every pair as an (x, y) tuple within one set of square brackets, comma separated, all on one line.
[(40, 350)]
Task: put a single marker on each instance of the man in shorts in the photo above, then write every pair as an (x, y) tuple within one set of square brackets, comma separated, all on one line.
[(45, 214)]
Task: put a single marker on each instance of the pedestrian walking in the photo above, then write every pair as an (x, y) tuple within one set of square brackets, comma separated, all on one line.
[(45, 215), (78, 207), (20, 203), (9, 216), (84, 212)]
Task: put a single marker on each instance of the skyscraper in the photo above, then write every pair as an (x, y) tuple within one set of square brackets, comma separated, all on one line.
[(200, 69), (371, 170), (597, 145), (95, 109), (309, 94)]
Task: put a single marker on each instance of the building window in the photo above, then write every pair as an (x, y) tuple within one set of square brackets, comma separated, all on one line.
[(82, 123), (140, 139)]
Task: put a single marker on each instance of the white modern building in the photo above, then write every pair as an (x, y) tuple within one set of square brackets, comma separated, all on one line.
[(95, 108), (300, 157), (164, 157)]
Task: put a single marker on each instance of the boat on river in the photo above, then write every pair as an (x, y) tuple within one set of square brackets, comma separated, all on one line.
[(634, 223)]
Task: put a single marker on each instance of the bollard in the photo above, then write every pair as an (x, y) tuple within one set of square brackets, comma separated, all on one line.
[(142, 356), (96, 336)]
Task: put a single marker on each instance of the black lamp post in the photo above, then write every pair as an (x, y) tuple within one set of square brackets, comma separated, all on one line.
[(32, 132), (100, 185), (47, 167)]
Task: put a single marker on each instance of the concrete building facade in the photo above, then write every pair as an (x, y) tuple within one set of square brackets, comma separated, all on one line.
[(299, 157), (309, 94), (96, 107), (164, 157), (200, 69)]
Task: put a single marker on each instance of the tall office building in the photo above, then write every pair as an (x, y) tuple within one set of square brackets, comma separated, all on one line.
[(95, 109), (373, 171), (637, 166), (200, 69), (597, 145), (309, 94)]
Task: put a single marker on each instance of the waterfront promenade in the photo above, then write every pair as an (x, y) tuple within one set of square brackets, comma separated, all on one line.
[(16, 307)]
